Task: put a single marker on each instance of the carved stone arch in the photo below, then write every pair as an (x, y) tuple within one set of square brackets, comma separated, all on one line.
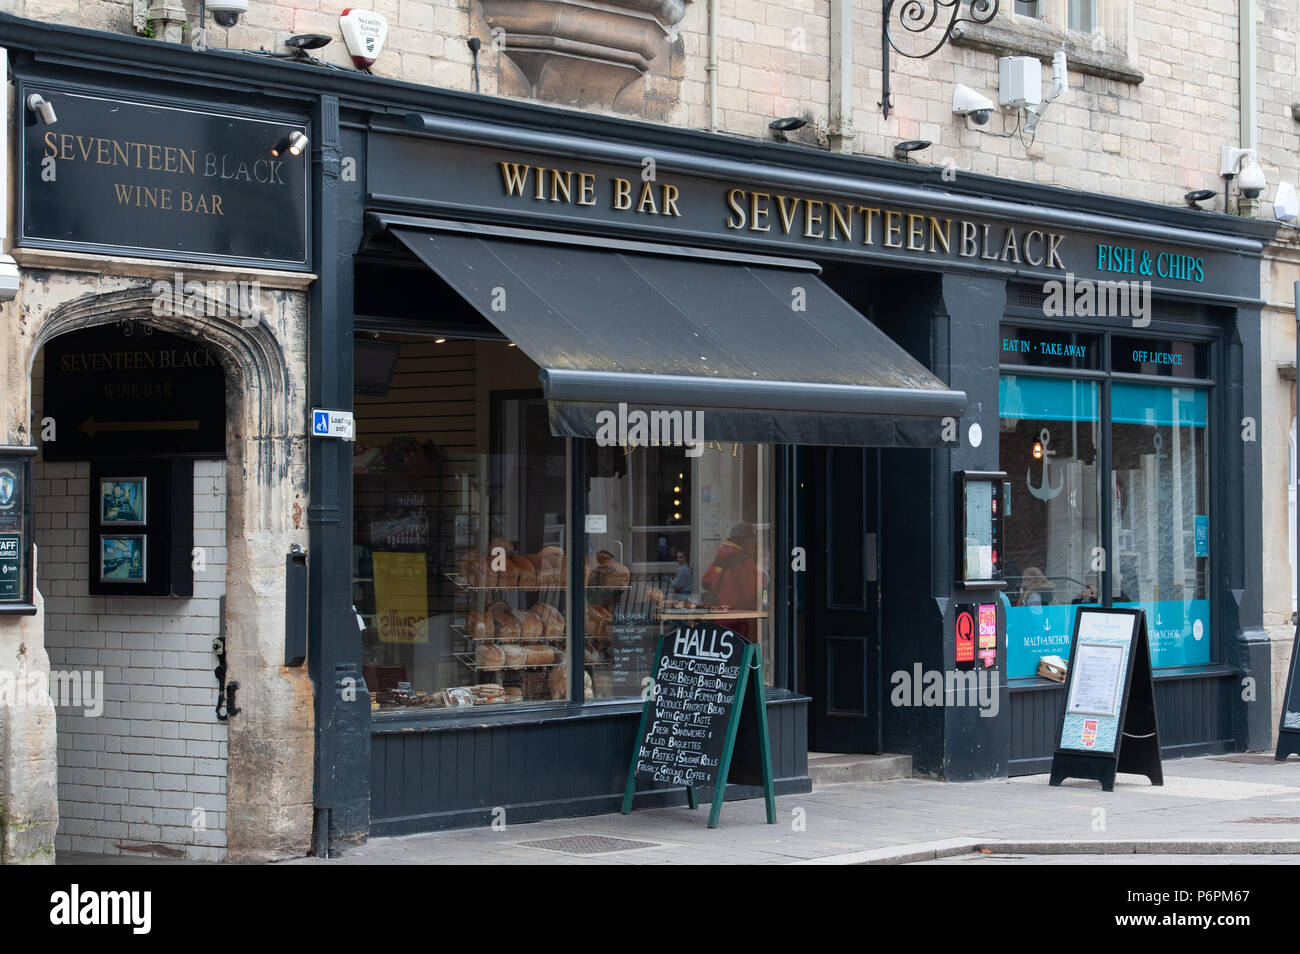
[(257, 378), (270, 760)]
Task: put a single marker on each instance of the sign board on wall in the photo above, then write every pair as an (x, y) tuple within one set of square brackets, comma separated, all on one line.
[(129, 177), (16, 528), (123, 390)]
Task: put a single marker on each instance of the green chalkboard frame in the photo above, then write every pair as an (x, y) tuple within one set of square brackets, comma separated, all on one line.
[(749, 695)]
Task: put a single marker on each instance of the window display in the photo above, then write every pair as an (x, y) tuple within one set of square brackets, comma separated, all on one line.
[(460, 510), (673, 540)]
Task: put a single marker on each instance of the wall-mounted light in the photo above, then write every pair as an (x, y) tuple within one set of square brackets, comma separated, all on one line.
[(306, 41), (1038, 450), (43, 108), (1197, 196), (294, 143), (784, 125), (439, 340), (903, 151)]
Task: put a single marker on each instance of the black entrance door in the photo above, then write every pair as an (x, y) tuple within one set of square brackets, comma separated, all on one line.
[(842, 608)]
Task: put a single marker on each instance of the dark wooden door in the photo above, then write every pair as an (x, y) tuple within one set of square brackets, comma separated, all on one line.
[(843, 606)]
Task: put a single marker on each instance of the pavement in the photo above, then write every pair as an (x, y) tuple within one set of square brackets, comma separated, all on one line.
[(1212, 809)]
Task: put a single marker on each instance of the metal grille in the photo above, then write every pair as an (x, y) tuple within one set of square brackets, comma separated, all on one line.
[(1259, 758), (588, 844)]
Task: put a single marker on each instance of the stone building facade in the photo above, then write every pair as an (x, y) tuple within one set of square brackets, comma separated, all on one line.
[(1156, 87)]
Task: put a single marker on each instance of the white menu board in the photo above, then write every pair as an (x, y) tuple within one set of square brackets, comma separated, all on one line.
[(1095, 687)]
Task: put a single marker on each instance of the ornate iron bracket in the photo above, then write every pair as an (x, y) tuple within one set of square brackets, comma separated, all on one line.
[(918, 17)]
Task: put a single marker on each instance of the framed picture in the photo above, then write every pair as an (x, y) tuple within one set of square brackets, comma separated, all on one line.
[(123, 558), (16, 505), (122, 501)]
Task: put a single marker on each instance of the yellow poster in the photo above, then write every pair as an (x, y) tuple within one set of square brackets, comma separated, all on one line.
[(401, 596)]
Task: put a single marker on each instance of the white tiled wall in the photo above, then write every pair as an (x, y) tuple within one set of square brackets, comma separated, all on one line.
[(151, 770)]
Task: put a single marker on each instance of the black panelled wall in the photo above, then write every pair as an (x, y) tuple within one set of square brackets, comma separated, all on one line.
[(449, 773)]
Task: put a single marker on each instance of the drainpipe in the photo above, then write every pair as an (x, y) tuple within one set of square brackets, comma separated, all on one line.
[(712, 66), (1246, 88), (8, 267), (840, 130)]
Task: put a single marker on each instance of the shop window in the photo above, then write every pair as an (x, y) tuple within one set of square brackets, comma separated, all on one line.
[(1160, 521), (673, 540), (460, 515), (1050, 434)]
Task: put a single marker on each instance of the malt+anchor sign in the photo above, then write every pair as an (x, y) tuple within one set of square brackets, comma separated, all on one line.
[(126, 177)]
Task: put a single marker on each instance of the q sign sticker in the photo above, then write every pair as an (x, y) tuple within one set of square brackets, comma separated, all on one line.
[(965, 630)]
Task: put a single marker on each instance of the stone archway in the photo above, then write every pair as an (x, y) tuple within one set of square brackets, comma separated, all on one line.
[(270, 763)]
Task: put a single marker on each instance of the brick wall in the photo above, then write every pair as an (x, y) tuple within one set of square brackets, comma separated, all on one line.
[(152, 768), (1155, 140)]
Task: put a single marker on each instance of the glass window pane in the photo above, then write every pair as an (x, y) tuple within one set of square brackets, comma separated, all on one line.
[(673, 540), (1027, 8), (1049, 437), (460, 507), (1083, 15), (1161, 524)]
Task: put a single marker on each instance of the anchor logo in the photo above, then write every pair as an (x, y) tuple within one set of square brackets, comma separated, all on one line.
[(1044, 491), (1158, 442)]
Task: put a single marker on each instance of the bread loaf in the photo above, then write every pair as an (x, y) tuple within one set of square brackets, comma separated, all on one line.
[(489, 656), (507, 625), (524, 572), (530, 625), (609, 572), (598, 620), (552, 619), (551, 570), (540, 654), (559, 679), (479, 625), (472, 568), (515, 655), (508, 572)]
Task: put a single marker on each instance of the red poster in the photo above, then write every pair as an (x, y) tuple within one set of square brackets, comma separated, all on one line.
[(965, 636)]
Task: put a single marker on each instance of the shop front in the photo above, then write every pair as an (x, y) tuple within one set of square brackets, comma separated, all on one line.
[(611, 379)]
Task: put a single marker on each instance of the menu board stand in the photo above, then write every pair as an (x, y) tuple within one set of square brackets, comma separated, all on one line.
[(1288, 730), (705, 719), (1108, 723)]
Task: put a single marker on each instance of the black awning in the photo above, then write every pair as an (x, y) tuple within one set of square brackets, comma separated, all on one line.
[(764, 348)]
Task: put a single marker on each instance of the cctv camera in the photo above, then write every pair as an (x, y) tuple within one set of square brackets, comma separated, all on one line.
[(1251, 181), (226, 12), (967, 102)]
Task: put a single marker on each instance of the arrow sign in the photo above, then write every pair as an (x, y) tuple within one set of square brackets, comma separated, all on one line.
[(90, 427)]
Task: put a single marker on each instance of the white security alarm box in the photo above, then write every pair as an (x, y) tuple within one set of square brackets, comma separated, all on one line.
[(1020, 81)]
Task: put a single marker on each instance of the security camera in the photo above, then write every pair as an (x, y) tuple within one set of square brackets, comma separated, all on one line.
[(1251, 182), (967, 102), (1244, 164), (226, 12)]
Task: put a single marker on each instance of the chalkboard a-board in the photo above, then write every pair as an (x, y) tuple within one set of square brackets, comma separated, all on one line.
[(1108, 724), (705, 719), (1288, 732)]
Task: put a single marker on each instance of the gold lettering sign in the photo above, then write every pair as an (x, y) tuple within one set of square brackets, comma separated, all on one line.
[(800, 217)]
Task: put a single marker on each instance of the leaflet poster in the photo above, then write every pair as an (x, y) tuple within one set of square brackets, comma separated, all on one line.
[(401, 596)]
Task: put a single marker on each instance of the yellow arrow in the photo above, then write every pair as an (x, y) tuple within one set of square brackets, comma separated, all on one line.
[(90, 428)]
